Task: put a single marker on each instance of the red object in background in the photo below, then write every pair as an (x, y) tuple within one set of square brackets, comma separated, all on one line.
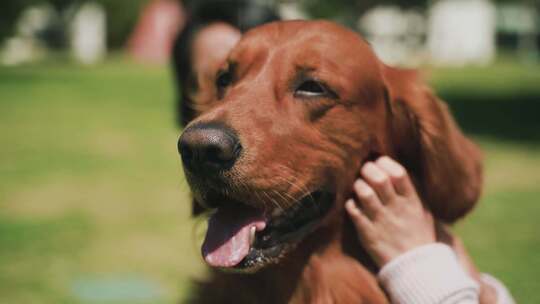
[(153, 37)]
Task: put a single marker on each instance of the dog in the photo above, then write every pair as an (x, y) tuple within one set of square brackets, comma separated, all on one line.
[(295, 110)]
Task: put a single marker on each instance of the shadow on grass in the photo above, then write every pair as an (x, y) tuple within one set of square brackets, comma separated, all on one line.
[(513, 117)]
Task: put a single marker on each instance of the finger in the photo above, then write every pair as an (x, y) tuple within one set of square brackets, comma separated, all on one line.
[(359, 219), (398, 176), (379, 181), (368, 199)]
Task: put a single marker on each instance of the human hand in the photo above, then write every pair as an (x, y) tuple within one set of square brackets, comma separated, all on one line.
[(387, 212)]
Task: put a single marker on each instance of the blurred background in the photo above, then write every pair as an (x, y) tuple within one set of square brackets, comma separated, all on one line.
[(93, 206)]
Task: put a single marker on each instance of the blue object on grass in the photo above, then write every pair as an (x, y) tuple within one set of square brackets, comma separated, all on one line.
[(116, 288)]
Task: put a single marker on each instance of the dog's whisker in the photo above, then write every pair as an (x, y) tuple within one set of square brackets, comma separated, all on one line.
[(249, 190), (259, 198), (274, 202), (302, 189), (284, 200), (288, 202)]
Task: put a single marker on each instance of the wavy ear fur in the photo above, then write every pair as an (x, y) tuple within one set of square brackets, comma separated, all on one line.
[(446, 165)]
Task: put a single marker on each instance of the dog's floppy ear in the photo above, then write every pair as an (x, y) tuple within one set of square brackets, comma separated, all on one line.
[(446, 165)]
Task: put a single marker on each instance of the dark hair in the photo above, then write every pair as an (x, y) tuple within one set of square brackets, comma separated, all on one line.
[(241, 14)]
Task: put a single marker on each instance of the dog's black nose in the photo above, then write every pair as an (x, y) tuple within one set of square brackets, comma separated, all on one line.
[(209, 148)]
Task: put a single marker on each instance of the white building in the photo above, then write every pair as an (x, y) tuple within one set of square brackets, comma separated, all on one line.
[(462, 32), (449, 33), (395, 34), (88, 33)]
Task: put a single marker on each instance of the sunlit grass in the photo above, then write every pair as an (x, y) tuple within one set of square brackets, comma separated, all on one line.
[(95, 146), (91, 184)]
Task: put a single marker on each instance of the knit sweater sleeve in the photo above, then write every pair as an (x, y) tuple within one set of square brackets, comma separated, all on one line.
[(430, 274)]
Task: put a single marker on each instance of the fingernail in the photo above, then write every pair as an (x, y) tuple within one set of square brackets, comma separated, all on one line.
[(373, 172), (350, 205), (394, 167), (362, 188)]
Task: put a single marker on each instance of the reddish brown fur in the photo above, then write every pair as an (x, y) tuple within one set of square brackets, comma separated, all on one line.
[(450, 190), (309, 143)]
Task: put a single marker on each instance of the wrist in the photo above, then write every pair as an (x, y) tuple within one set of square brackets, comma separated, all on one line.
[(388, 255), (427, 274)]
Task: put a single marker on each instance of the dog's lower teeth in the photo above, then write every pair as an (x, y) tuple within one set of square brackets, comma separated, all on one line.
[(252, 231)]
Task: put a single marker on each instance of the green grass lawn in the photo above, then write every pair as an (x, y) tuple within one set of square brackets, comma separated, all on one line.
[(92, 198)]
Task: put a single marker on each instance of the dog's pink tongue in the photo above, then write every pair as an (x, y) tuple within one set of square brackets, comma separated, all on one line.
[(227, 239)]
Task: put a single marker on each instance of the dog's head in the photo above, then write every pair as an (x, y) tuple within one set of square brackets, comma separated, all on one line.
[(299, 107)]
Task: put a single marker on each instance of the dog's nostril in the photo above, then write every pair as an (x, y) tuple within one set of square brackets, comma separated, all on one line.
[(217, 154)]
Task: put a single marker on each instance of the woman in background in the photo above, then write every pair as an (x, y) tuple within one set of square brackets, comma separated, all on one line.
[(212, 29)]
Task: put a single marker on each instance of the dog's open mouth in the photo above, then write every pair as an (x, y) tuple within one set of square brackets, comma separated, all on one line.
[(242, 238)]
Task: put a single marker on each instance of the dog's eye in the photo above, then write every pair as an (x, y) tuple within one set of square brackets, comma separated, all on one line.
[(311, 88), (224, 79)]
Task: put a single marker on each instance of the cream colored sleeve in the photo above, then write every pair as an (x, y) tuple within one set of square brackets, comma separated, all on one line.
[(430, 274)]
